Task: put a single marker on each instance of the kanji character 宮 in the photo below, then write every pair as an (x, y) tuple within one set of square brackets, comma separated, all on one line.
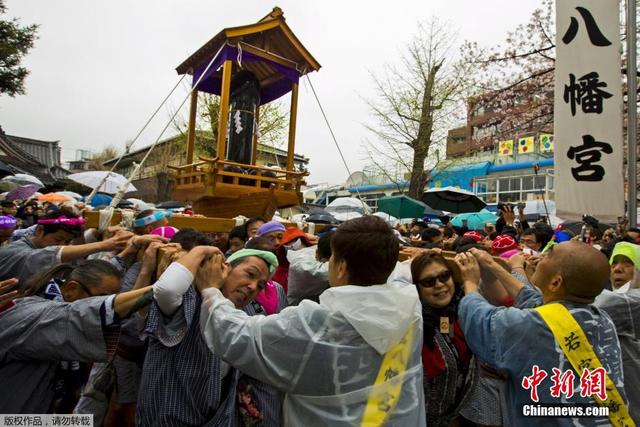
[(586, 155)]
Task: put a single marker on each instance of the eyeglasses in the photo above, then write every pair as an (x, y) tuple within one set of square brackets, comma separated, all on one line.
[(430, 282), (88, 292)]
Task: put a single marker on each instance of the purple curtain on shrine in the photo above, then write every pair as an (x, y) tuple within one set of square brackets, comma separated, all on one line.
[(212, 84)]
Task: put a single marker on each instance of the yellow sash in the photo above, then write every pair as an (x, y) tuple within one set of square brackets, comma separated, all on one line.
[(386, 390), (563, 325)]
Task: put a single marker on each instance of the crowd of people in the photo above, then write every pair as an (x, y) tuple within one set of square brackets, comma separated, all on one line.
[(267, 325)]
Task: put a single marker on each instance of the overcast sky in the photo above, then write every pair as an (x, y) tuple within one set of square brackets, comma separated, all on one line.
[(100, 68)]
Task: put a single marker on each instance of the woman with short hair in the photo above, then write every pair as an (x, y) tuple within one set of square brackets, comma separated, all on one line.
[(449, 365)]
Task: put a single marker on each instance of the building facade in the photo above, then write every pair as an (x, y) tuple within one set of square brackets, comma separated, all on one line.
[(32, 156)]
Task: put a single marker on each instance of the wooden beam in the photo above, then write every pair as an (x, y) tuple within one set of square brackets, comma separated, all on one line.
[(292, 126), (224, 109), (191, 131), (251, 29), (254, 149), (286, 62), (204, 224)]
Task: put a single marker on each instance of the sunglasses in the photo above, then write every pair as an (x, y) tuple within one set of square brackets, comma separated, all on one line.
[(88, 291), (430, 282)]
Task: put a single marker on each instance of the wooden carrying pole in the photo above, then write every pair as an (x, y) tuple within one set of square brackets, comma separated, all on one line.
[(292, 127), (191, 132), (224, 109)]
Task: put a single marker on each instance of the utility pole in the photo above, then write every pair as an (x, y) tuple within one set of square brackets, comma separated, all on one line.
[(632, 90)]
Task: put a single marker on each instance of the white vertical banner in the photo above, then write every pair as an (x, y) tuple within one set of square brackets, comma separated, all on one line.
[(588, 110)]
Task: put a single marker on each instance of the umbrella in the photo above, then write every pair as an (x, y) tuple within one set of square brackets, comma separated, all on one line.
[(93, 178), (22, 193), (23, 179), (402, 206), (171, 205), (54, 198), (321, 218), (391, 220), (347, 204), (140, 205), (70, 194), (432, 213), (101, 200), (475, 220), (576, 226), (453, 200), (345, 216), (7, 186), (125, 204)]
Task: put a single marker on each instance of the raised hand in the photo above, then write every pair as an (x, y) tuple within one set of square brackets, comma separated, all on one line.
[(469, 269), (212, 273), (8, 291)]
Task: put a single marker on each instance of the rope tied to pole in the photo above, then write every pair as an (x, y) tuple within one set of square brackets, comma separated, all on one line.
[(333, 136), (122, 189), (130, 144)]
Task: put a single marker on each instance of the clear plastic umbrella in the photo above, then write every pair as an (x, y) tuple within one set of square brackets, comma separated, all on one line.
[(93, 178), (347, 204), (390, 219), (23, 179)]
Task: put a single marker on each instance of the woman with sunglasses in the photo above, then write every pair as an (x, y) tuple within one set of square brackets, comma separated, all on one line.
[(449, 366)]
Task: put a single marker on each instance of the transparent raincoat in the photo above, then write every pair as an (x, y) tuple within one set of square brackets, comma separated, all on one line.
[(624, 310), (325, 356), (308, 277)]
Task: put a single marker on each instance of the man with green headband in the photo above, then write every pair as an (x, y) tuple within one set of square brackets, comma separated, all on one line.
[(624, 261), (353, 359), (623, 307), (183, 383)]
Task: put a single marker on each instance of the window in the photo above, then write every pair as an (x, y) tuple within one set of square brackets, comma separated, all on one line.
[(514, 184)]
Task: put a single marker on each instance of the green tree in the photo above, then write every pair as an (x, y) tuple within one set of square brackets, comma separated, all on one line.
[(107, 153), (15, 42), (417, 102), (272, 124)]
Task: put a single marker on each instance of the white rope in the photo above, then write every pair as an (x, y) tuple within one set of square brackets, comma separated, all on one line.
[(130, 144), (333, 136), (136, 170)]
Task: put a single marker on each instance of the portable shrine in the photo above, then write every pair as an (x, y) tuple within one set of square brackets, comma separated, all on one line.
[(248, 67)]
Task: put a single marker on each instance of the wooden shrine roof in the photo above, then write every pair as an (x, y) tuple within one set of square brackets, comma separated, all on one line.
[(270, 36)]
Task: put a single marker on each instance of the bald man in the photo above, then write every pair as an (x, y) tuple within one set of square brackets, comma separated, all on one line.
[(514, 340)]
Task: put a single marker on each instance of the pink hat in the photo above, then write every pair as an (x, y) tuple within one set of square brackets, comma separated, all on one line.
[(509, 254), (166, 231), (473, 235), (503, 243)]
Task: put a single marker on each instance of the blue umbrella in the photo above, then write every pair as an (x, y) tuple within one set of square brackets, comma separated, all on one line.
[(475, 220), (101, 200)]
